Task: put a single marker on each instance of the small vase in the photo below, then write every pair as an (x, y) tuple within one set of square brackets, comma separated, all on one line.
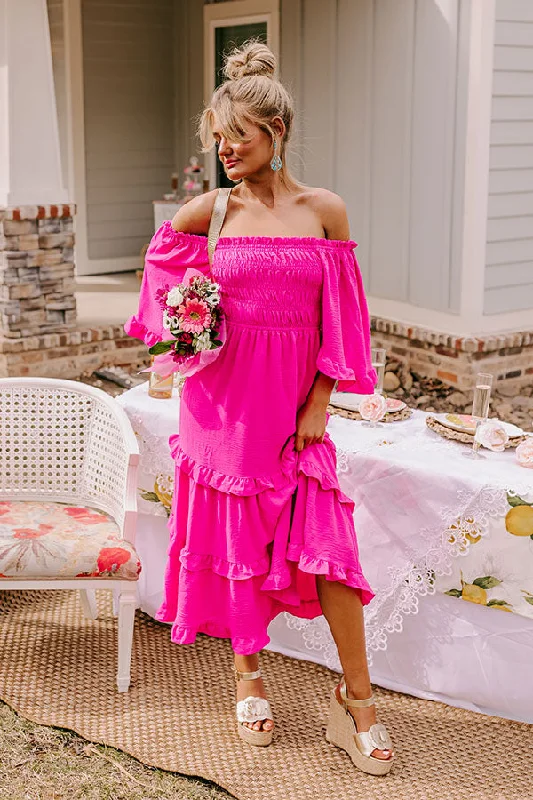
[(160, 387)]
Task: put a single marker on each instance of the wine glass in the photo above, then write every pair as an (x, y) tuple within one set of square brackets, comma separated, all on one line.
[(480, 409), (379, 360)]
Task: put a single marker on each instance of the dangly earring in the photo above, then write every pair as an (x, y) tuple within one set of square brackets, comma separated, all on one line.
[(276, 163)]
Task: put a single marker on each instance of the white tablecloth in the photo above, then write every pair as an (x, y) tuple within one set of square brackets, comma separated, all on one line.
[(426, 519)]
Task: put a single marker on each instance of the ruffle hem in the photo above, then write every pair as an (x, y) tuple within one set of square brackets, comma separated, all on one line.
[(220, 583)]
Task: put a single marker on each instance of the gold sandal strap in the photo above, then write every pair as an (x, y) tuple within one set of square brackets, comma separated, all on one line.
[(351, 703), (247, 676)]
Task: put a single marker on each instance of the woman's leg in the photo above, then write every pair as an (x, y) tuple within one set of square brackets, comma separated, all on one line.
[(251, 688), (343, 610)]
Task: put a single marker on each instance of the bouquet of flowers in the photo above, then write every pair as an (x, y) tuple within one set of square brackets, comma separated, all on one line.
[(192, 315)]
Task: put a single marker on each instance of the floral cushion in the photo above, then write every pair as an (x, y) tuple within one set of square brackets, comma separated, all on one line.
[(56, 540)]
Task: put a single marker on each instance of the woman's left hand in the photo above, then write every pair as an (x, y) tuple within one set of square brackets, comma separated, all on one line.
[(310, 425)]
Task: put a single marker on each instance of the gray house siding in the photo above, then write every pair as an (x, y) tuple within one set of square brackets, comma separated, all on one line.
[(377, 116), (509, 260)]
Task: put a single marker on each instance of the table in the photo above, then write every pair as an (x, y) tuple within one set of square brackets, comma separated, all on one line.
[(435, 546), (165, 209)]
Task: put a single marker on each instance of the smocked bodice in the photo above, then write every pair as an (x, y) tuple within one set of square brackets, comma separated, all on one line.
[(269, 285)]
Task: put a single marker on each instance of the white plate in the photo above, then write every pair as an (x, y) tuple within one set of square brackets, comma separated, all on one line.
[(346, 400), (351, 402), (455, 422)]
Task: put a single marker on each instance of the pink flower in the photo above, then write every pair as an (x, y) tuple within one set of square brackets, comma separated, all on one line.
[(86, 516), (524, 453), (161, 296), (492, 435), (31, 533), (195, 316), (373, 408), (111, 558), (5, 508)]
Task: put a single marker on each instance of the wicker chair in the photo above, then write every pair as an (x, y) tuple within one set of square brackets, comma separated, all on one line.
[(68, 509)]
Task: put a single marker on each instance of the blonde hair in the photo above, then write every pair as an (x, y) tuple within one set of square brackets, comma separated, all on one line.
[(251, 94)]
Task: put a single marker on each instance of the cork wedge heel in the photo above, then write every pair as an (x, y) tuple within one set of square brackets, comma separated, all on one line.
[(342, 732)]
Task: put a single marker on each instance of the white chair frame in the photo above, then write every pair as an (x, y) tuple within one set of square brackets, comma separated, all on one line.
[(64, 441)]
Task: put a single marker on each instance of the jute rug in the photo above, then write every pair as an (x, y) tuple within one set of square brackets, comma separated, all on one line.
[(57, 668)]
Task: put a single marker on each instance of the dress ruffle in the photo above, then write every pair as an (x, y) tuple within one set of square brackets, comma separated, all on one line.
[(195, 562), (228, 484), (139, 331), (301, 530)]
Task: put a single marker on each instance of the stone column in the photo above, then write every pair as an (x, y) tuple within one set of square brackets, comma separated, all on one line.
[(36, 270)]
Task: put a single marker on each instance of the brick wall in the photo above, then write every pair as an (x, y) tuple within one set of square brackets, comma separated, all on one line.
[(72, 354), (456, 360)]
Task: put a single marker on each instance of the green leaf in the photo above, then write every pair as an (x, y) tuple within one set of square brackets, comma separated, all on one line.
[(217, 343), (515, 500), (454, 592), (488, 582), (160, 348), (497, 603), (150, 496), (529, 599)]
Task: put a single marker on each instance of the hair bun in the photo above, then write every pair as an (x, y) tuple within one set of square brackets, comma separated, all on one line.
[(253, 58)]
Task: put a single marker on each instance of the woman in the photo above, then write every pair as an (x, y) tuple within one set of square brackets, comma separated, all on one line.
[(259, 524)]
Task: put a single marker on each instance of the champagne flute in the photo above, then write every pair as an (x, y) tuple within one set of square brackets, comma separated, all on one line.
[(379, 360), (480, 409)]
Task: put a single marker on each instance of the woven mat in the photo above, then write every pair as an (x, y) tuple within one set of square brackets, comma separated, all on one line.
[(57, 668), (463, 436), (392, 416)]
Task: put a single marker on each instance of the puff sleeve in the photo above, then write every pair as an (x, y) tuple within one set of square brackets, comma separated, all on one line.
[(169, 255), (345, 347)]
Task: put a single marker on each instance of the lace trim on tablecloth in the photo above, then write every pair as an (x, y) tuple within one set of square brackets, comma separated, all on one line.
[(437, 547)]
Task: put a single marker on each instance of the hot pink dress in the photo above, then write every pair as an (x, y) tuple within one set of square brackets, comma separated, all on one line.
[(253, 522)]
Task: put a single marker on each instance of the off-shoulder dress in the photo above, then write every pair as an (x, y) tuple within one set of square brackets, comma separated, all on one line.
[(253, 521)]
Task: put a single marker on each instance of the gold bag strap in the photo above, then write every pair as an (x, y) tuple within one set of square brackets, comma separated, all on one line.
[(217, 220)]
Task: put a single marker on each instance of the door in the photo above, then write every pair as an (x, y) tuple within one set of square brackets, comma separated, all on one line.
[(224, 29)]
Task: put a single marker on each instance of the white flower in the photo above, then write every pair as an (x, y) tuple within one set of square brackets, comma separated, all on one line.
[(492, 435), (253, 709), (202, 341), (175, 323), (373, 408), (213, 299), (524, 453), (167, 320), (175, 297)]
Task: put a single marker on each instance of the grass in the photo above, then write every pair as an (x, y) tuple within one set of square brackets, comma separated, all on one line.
[(40, 763)]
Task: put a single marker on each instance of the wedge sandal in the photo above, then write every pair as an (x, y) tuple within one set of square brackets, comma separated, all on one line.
[(250, 710), (342, 732)]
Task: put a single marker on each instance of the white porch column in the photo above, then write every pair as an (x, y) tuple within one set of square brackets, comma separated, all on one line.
[(30, 168)]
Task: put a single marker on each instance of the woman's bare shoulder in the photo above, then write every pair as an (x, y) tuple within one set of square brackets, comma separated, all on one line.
[(195, 215), (331, 209)]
